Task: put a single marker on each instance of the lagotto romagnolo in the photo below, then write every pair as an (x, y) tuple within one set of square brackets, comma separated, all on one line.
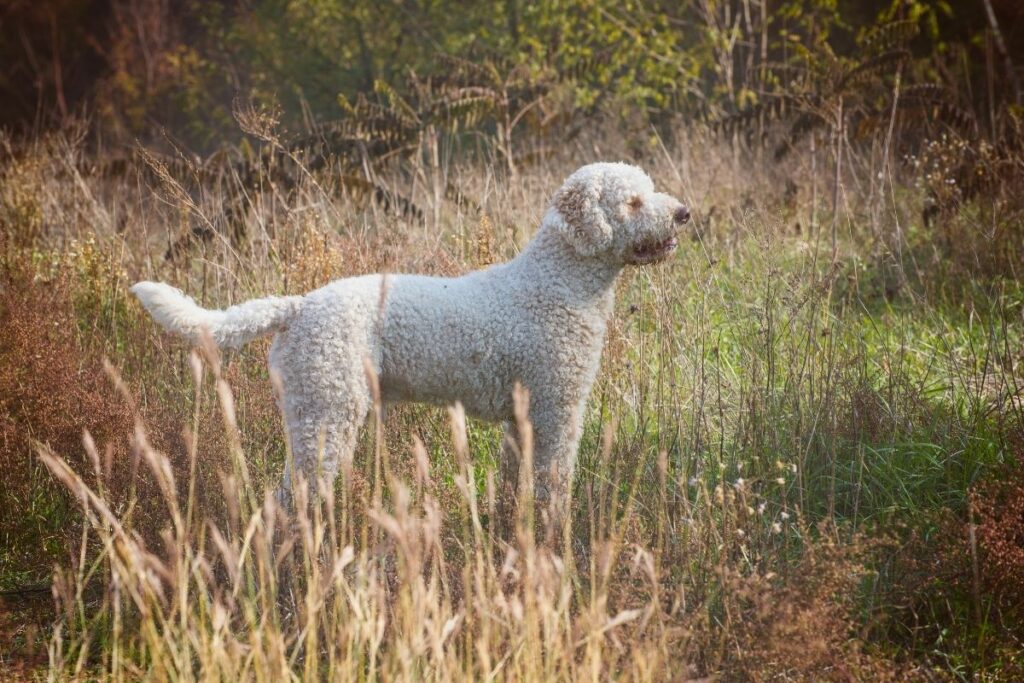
[(538, 320)]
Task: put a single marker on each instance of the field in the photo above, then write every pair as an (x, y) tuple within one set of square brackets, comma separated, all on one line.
[(801, 461), (777, 464)]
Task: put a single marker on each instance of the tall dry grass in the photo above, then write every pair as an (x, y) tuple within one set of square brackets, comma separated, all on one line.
[(768, 425), (383, 582)]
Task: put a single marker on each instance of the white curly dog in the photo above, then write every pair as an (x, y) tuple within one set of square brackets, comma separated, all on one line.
[(538, 320)]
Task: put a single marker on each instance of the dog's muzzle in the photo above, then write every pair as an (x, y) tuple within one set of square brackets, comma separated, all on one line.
[(652, 251)]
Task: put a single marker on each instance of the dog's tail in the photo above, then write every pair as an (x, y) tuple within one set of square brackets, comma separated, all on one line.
[(233, 327)]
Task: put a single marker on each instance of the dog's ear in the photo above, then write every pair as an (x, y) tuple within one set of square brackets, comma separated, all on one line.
[(583, 222)]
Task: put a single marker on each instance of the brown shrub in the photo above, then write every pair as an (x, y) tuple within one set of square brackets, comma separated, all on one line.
[(803, 626), (51, 389), (53, 386), (998, 505)]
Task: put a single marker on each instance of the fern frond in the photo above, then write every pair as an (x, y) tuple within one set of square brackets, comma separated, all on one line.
[(926, 92), (866, 69), (460, 71), (772, 107), (397, 102), (347, 108), (893, 35), (463, 113)]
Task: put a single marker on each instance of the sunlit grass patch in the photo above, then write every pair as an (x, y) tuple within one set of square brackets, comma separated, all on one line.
[(776, 470)]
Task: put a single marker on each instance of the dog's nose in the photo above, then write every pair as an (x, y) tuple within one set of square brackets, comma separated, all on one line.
[(681, 215)]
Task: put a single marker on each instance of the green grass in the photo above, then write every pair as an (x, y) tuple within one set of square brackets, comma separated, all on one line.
[(768, 434)]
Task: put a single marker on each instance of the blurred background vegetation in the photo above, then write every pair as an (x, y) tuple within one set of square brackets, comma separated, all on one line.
[(142, 66)]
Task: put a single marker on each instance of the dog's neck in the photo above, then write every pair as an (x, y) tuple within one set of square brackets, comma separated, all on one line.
[(589, 281)]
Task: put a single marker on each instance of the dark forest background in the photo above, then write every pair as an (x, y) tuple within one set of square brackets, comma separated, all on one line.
[(136, 67)]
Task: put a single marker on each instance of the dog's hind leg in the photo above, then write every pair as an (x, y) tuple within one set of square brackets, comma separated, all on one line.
[(321, 444), (324, 408)]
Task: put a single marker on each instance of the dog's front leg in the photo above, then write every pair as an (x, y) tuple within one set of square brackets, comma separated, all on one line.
[(551, 450), (556, 443)]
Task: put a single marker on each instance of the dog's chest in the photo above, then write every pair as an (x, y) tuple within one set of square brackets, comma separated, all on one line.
[(570, 338)]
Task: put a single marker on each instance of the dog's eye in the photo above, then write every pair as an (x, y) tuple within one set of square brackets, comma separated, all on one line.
[(635, 202)]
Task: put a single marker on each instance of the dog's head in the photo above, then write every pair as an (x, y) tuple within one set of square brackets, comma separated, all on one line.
[(611, 210)]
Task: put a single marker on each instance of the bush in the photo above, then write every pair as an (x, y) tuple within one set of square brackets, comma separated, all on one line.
[(51, 386)]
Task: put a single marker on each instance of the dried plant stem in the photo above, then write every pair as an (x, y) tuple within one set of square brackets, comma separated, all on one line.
[(837, 176)]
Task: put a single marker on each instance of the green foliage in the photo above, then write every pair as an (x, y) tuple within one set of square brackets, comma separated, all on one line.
[(640, 62)]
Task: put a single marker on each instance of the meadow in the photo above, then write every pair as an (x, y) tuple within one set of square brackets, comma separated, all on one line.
[(802, 459), (797, 463)]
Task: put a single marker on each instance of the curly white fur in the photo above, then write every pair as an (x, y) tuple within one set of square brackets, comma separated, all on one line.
[(538, 320)]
